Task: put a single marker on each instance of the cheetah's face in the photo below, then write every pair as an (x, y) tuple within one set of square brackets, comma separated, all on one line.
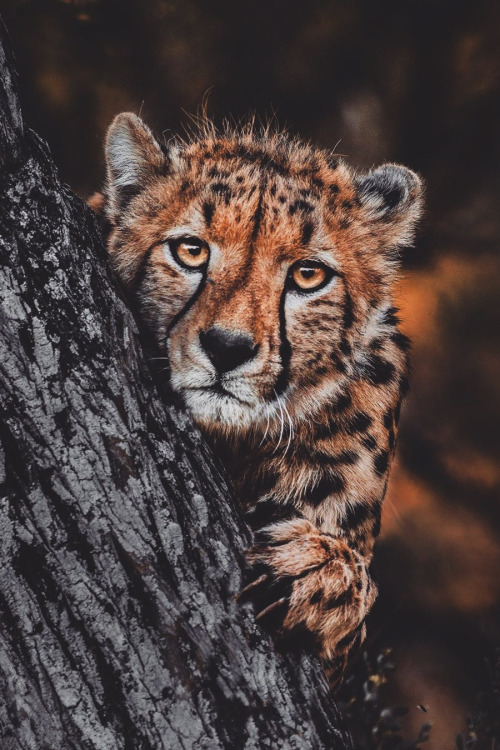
[(255, 262)]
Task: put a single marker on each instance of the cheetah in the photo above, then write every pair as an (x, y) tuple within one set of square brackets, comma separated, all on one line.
[(262, 268)]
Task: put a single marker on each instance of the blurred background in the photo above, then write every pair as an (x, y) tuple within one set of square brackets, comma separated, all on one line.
[(416, 82)]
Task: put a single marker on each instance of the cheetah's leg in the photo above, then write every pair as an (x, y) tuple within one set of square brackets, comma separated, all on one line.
[(310, 583)]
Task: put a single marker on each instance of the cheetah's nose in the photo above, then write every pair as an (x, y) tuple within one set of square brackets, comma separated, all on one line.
[(226, 349)]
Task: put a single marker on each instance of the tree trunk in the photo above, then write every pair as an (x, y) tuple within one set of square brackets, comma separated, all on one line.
[(120, 541)]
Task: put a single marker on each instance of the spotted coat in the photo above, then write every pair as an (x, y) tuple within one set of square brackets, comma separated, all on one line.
[(298, 389)]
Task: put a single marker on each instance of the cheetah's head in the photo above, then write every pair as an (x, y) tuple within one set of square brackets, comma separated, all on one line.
[(261, 265)]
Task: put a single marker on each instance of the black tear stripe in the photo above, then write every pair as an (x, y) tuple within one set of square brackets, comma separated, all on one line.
[(285, 350), (188, 304)]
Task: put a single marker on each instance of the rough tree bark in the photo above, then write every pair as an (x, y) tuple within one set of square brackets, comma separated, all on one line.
[(120, 543)]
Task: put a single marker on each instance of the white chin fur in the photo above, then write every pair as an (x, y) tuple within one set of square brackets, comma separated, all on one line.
[(207, 408), (240, 408)]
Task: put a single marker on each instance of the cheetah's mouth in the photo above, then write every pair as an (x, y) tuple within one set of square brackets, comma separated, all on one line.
[(219, 390)]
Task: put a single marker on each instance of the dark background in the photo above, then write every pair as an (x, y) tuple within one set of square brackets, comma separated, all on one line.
[(416, 82)]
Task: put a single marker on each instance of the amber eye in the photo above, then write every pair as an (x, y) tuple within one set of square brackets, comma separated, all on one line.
[(190, 252), (307, 275)]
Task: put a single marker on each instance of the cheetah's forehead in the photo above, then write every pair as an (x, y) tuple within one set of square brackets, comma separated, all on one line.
[(276, 163), (238, 190)]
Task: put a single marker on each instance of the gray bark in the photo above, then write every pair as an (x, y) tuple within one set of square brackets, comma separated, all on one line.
[(120, 541)]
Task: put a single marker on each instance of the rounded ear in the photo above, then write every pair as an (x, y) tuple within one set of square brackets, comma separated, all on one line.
[(133, 158), (392, 198), (389, 189)]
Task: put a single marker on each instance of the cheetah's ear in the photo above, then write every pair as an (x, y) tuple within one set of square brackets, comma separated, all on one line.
[(133, 159), (392, 197)]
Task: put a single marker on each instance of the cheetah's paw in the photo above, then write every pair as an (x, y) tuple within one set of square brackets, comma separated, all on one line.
[(308, 583)]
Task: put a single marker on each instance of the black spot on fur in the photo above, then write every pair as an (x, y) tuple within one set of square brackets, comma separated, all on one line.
[(388, 419), (390, 317), (208, 212), (348, 458), (316, 597), (401, 341), (393, 196), (265, 512), (334, 356), (381, 461), (348, 310), (359, 422), (379, 370), (356, 516), (347, 205), (376, 344), (325, 431), (338, 601), (307, 231), (345, 347), (397, 414), (346, 555), (300, 205), (342, 403), (327, 485), (392, 439), (222, 189), (404, 385), (369, 442), (324, 458)]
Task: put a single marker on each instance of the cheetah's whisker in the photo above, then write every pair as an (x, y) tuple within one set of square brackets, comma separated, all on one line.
[(282, 421), (290, 431), (267, 426)]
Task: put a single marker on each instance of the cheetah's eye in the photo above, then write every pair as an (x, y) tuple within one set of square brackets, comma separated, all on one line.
[(190, 252), (308, 275)]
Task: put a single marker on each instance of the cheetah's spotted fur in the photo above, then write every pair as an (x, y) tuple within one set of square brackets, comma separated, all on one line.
[(306, 424)]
